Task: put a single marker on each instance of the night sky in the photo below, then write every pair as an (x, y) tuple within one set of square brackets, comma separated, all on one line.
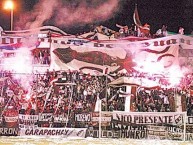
[(154, 12)]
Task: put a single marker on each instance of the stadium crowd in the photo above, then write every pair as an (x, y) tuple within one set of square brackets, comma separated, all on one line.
[(66, 93), (41, 56), (59, 92)]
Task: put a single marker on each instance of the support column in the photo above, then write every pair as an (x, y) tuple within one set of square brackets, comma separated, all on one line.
[(178, 102), (130, 99)]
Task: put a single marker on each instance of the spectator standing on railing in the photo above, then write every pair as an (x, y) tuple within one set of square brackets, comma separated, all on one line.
[(33, 107), (181, 31), (46, 57), (164, 31), (41, 57), (36, 58), (24, 106), (1, 31)]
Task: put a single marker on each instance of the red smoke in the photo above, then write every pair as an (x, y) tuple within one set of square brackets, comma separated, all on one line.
[(67, 13)]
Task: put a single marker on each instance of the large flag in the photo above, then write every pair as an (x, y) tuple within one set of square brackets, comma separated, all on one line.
[(116, 56), (82, 58)]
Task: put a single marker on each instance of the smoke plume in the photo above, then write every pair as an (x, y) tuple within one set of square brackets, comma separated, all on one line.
[(67, 13)]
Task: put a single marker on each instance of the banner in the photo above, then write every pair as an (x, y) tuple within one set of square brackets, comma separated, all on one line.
[(45, 117), (27, 126), (62, 132), (150, 118), (28, 121), (11, 119), (28, 117), (105, 119), (132, 134), (60, 119), (165, 132), (189, 120), (83, 117), (9, 131), (189, 136), (116, 55), (156, 132)]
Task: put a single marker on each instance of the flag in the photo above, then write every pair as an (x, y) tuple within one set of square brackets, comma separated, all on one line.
[(103, 94), (124, 94), (13, 46), (48, 96), (97, 105), (128, 91), (136, 17), (106, 70), (191, 90), (145, 30), (57, 106), (40, 30)]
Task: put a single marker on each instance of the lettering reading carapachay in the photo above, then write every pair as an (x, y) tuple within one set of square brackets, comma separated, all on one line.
[(147, 119), (55, 132)]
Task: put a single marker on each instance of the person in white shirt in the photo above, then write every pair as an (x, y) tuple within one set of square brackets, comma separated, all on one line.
[(33, 108), (1, 31), (181, 31)]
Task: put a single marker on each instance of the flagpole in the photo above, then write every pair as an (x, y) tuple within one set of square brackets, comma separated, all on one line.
[(47, 96), (6, 105), (100, 115), (50, 45), (185, 116), (106, 92), (36, 91), (69, 105), (2, 92)]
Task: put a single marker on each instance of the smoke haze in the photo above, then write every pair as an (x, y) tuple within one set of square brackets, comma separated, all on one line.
[(67, 13)]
